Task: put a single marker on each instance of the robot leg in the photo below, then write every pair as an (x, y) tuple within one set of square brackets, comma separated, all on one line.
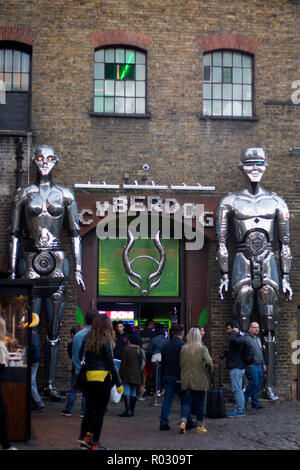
[(54, 311), (267, 305), (243, 306)]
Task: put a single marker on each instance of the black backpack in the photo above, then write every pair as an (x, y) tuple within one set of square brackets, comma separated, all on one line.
[(247, 354)]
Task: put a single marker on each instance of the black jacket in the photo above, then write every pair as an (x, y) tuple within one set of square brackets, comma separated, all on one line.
[(234, 353), (103, 360), (170, 355), (121, 342)]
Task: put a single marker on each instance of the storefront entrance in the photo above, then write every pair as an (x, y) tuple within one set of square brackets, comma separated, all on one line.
[(136, 314)]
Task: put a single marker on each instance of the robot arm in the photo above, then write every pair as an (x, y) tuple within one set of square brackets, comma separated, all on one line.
[(15, 217), (222, 253), (72, 216), (285, 252)]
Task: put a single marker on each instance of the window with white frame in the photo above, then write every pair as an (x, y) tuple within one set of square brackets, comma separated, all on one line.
[(120, 81), (227, 84)]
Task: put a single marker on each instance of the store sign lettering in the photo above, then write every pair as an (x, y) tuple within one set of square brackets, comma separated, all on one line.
[(146, 204)]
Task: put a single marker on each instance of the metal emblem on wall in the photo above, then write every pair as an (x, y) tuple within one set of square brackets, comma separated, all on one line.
[(132, 274)]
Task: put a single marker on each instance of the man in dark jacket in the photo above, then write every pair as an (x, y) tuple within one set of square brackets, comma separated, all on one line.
[(121, 341), (255, 370), (236, 367), (170, 355)]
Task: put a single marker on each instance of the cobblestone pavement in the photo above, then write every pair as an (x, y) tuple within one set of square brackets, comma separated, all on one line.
[(276, 427)]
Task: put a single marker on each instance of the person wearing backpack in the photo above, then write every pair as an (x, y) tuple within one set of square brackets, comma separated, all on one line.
[(236, 366)]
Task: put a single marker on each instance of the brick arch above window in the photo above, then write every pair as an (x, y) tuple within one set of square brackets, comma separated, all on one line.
[(113, 37), (18, 34), (228, 41)]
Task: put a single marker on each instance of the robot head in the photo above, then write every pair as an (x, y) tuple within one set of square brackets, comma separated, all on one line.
[(253, 163), (45, 159)]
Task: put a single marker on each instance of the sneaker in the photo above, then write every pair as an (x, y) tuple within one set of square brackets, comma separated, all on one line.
[(201, 429), (182, 427), (37, 407), (66, 413), (86, 442), (164, 427), (233, 414)]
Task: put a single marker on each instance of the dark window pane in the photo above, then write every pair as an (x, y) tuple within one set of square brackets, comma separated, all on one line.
[(127, 72), (206, 73), (227, 78), (110, 72)]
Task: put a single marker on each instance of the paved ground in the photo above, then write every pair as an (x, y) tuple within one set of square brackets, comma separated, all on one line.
[(276, 427)]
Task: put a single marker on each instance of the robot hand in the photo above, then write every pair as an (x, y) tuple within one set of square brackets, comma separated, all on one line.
[(79, 279), (287, 290), (224, 284)]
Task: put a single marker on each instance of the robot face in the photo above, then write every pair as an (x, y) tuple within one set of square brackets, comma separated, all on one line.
[(45, 160), (254, 170)]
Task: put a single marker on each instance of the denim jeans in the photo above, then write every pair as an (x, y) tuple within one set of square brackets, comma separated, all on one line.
[(236, 377), (254, 375), (172, 388), (72, 396), (195, 398), (130, 390), (34, 391)]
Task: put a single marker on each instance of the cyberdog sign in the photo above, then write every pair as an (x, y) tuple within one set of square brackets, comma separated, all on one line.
[(144, 216)]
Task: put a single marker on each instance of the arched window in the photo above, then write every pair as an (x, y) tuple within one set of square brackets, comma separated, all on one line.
[(120, 81), (227, 84), (15, 81)]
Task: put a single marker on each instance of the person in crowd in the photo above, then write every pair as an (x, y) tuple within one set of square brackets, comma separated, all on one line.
[(236, 366), (170, 355), (101, 375), (121, 341), (3, 411), (76, 345), (37, 403), (130, 373), (257, 368), (194, 357), (148, 375), (155, 347)]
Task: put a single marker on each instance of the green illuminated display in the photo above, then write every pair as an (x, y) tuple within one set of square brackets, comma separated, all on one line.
[(113, 280), (119, 72)]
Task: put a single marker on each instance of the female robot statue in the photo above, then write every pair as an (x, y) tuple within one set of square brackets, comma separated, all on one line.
[(38, 213), (254, 213)]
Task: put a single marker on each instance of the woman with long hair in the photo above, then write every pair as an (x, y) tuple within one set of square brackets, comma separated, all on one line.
[(3, 411), (194, 359), (101, 375)]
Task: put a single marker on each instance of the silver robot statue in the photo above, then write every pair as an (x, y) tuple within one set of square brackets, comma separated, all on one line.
[(37, 216), (255, 216)]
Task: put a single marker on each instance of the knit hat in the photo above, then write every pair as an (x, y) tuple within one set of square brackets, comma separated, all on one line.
[(134, 339)]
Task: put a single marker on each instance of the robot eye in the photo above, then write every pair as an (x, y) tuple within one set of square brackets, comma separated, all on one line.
[(50, 159), (40, 158)]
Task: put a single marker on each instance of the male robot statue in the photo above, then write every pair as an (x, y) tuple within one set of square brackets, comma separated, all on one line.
[(255, 214), (38, 213)]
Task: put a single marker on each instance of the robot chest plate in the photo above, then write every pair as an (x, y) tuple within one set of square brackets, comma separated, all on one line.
[(246, 208), (52, 204)]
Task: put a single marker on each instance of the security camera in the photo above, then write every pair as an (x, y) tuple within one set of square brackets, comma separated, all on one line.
[(146, 167)]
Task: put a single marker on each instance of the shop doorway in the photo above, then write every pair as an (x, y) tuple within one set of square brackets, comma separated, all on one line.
[(136, 314)]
